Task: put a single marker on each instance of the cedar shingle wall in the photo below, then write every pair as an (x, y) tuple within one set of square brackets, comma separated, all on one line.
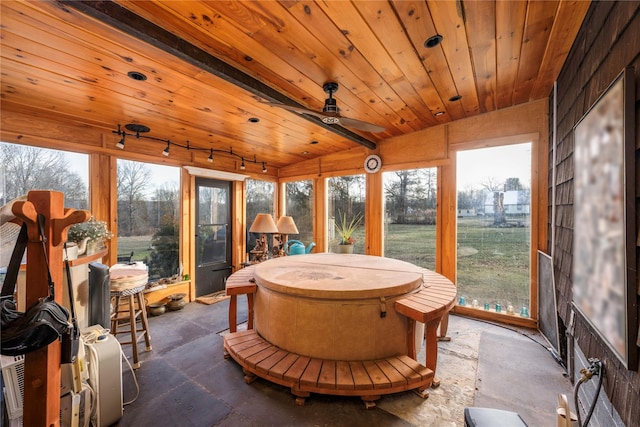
[(608, 41)]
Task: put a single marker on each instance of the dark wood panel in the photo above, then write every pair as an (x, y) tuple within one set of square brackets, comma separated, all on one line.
[(607, 42)]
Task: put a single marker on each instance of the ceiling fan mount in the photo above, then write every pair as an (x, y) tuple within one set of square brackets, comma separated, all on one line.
[(331, 113), (330, 105), (330, 88)]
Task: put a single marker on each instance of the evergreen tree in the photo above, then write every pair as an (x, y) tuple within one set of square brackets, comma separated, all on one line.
[(164, 255)]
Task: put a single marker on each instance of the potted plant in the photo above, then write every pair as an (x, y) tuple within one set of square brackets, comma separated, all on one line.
[(89, 236), (345, 230)]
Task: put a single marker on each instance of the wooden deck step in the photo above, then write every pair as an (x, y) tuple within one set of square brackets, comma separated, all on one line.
[(368, 379)]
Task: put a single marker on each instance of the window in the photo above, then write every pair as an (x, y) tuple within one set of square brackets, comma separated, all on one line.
[(148, 215), (260, 199), (346, 199), (410, 216), (299, 206), (494, 230), (24, 168)]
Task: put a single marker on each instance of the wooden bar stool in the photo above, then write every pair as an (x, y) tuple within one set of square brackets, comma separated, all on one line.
[(129, 309)]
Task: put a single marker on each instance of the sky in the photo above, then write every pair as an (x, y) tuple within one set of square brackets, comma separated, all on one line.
[(160, 174), (499, 163), (474, 166)]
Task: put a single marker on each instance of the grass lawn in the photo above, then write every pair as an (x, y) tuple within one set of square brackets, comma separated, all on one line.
[(140, 245), (493, 263), (412, 243), (499, 271)]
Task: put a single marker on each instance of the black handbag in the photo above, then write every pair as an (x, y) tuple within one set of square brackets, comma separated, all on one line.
[(43, 322)]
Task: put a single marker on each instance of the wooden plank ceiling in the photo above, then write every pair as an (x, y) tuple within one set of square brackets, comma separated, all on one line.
[(213, 66)]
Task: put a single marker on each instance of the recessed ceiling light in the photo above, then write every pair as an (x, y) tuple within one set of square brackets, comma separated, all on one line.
[(455, 98), (136, 75), (137, 128), (439, 113), (433, 41), (254, 120), (304, 153)]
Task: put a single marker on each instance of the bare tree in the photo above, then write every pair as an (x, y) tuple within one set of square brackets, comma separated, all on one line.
[(467, 197), (32, 168), (133, 178), (492, 184), (413, 192), (397, 194), (168, 198), (260, 193), (345, 191), (299, 198), (260, 198), (429, 183)]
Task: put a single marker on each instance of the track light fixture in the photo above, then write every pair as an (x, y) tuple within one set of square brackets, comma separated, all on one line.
[(120, 144), (138, 129)]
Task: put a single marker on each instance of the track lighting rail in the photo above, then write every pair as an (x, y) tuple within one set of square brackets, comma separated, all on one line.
[(138, 129)]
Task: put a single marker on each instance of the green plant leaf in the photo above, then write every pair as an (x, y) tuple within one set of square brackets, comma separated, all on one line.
[(345, 228)]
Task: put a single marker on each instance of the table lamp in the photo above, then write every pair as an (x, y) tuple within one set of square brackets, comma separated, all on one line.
[(263, 224), (286, 226)]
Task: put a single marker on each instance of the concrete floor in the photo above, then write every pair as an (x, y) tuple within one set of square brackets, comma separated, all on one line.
[(186, 381)]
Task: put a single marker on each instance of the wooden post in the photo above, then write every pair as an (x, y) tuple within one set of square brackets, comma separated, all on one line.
[(374, 223), (446, 230), (41, 403)]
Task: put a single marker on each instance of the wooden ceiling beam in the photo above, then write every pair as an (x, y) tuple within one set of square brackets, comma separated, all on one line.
[(136, 26)]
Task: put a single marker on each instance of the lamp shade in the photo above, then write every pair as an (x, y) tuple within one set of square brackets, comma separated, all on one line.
[(263, 223), (287, 226)]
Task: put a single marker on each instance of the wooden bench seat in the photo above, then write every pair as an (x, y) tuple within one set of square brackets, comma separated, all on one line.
[(239, 283), (429, 305), (368, 379)]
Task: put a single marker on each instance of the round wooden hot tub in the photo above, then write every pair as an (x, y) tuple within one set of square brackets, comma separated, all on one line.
[(334, 306)]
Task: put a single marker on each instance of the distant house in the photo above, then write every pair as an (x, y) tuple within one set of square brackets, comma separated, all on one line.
[(514, 202), (462, 213)]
